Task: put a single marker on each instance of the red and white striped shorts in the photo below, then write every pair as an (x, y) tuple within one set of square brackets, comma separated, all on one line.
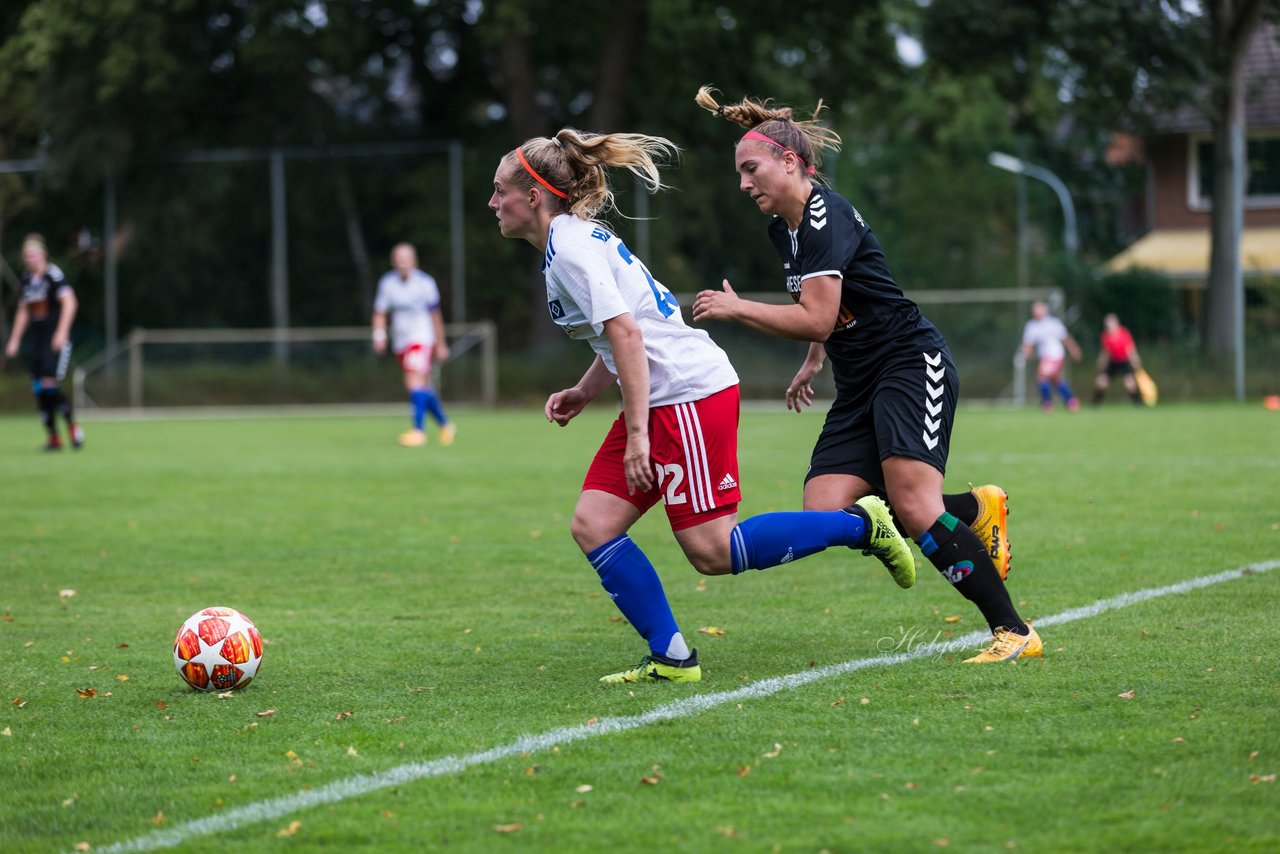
[(694, 450)]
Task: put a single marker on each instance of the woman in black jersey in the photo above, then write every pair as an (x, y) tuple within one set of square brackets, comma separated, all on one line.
[(888, 430)]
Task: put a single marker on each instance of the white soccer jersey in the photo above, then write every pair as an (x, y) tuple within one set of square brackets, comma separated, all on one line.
[(1047, 335), (410, 302), (592, 277)]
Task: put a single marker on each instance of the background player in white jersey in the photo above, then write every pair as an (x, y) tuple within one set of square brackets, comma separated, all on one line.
[(889, 428), (1047, 337), (46, 309), (417, 334), (676, 439)]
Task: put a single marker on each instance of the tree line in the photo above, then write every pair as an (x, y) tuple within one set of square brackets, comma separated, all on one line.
[(920, 92)]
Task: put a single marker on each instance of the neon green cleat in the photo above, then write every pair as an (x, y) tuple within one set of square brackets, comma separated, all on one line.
[(991, 526), (884, 541), (658, 668), (1007, 645)]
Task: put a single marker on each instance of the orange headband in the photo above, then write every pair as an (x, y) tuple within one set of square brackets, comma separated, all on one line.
[(543, 181)]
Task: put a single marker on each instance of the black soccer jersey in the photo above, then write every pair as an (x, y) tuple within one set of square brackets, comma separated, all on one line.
[(877, 321), (42, 297)]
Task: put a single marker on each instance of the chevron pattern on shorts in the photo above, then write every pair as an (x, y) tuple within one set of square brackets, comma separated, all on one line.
[(935, 371)]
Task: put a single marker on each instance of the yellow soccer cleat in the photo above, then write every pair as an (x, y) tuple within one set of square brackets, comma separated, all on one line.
[(991, 526), (1007, 645), (658, 668), (412, 438), (447, 434), (886, 543)]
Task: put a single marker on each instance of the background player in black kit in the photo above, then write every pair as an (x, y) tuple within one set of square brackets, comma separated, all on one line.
[(896, 386), (46, 310)]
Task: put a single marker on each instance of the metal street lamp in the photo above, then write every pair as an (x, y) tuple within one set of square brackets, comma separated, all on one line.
[(1017, 166)]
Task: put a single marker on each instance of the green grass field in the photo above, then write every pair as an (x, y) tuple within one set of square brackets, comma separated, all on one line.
[(421, 604)]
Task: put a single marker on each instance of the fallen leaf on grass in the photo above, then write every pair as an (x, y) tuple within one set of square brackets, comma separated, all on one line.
[(1126, 695), (82, 846), (19, 702), (727, 832), (651, 780), (266, 713), (6, 732), (616, 619), (122, 677), (942, 843), (66, 593), (87, 692), (508, 828), (711, 630), (394, 720), (1261, 778), (122, 646), (6, 617), (340, 715), (351, 751), (1177, 739), (290, 830), (226, 695), (954, 618), (583, 789), (158, 819), (744, 770), (75, 796), (773, 754), (573, 805), (866, 701), (838, 703)]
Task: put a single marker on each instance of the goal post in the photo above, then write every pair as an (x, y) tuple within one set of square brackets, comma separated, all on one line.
[(244, 367)]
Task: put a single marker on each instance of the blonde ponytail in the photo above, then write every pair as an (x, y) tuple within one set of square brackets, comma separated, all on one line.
[(573, 166)]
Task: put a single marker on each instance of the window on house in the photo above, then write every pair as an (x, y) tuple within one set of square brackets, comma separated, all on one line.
[(1263, 181)]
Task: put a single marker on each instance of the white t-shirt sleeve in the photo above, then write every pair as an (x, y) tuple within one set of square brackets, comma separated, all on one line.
[(381, 301), (591, 285), (1029, 332)]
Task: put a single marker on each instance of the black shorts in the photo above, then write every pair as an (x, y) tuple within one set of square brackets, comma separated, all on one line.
[(1116, 368), (907, 411), (44, 361)]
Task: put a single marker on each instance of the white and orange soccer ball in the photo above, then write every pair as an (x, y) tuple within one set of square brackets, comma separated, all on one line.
[(217, 649)]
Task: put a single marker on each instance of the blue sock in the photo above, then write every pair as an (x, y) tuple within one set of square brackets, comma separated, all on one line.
[(771, 539), (1065, 391), (1046, 392), (633, 584), (434, 407), (418, 400)]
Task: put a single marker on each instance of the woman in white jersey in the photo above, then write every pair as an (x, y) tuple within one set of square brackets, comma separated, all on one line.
[(676, 438), (412, 299), (1046, 337)]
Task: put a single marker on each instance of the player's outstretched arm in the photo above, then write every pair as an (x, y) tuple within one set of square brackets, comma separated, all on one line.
[(811, 319), (68, 316)]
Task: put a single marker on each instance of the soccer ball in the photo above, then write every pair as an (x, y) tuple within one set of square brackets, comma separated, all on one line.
[(217, 649)]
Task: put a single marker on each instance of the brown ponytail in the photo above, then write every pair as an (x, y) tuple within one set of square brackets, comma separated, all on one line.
[(807, 138)]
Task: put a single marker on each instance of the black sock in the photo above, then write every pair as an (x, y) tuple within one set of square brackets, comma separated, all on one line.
[(1136, 397), (1097, 396), (957, 553), (962, 505), (48, 408), (62, 405)]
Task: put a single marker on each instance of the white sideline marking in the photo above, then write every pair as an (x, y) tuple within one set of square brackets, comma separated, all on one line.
[(350, 787)]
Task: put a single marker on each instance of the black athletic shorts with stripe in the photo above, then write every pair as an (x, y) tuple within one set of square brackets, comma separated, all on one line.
[(906, 410), (43, 361)]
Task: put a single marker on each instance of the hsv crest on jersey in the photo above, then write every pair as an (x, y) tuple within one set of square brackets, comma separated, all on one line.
[(556, 309)]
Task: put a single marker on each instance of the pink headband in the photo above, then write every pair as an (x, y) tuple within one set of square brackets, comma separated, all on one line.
[(756, 135)]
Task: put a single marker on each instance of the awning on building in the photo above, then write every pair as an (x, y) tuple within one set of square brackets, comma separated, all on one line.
[(1184, 253)]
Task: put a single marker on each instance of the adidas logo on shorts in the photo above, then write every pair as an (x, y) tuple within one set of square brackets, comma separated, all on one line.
[(727, 483)]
